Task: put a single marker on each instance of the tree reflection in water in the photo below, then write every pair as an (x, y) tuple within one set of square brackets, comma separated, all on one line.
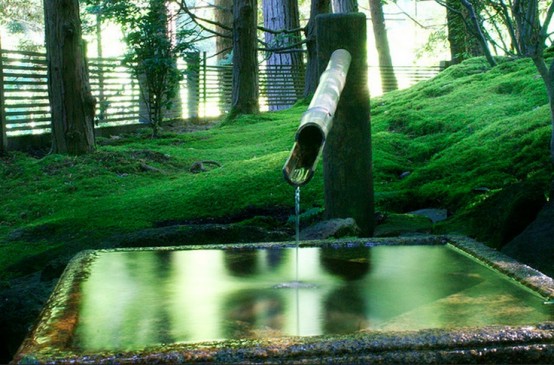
[(134, 299), (253, 313)]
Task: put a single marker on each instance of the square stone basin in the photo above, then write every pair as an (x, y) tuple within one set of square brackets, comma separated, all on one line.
[(425, 299)]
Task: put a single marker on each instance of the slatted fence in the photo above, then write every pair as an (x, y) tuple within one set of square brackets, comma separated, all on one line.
[(116, 90), (205, 91), (25, 92), (405, 76)]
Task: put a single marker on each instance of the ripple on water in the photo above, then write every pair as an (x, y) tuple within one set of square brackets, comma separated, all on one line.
[(295, 285)]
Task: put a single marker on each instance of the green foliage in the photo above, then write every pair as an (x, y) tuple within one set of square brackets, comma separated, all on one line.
[(466, 150), (152, 54), (22, 18)]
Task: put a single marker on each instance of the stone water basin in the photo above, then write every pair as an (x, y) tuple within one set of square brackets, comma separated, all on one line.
[(417, 300)]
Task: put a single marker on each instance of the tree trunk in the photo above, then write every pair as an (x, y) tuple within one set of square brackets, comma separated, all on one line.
[(245, 60), (224, 45), (457, 34), (388, 78), (102, 105), (312, 72), (347, 166), (283, 68), (345, 6), (461, 37), (71, 101), (223, 13), (526, 16), (292, 21)]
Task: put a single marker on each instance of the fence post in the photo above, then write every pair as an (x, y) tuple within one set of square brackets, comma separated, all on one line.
[(204, 82), (347, 167), (3, 132), (193, 84)]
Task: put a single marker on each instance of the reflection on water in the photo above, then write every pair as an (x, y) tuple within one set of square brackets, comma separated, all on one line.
[(141, 298)]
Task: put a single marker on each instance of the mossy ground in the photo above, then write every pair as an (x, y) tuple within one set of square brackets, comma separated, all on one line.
[(470, 127)]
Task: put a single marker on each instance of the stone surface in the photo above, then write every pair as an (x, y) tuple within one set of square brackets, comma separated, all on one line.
[(336, 228), (533, 343), (504, 214), (535, 245)]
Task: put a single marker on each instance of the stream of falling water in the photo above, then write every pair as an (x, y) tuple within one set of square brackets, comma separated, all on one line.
[(297, 235), (296, 284)]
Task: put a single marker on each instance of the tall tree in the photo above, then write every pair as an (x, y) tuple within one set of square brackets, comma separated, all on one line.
[(245, 58), (312, 73), (223, 14), (472, 39), (463, 43), (71, 101), (285, 67), (388, 77)]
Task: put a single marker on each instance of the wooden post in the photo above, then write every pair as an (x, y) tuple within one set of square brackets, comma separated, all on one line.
[(204, 81), (193, 84), (101, 102), (347, 167), (3, 132)]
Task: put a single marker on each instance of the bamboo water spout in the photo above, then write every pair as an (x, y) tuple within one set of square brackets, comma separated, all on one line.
[(317, 121)]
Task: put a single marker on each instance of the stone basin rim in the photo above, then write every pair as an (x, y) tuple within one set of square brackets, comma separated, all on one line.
[(419, 346)]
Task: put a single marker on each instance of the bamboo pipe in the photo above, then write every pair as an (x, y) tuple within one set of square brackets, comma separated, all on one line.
[(317, 121)]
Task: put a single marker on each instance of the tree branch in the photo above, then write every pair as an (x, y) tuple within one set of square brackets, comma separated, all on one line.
[(409, 16), (547, 20), (220, 52), (282, 49), (504, 47), (477, 28), (510, 26), (281, 31), (183, 6)]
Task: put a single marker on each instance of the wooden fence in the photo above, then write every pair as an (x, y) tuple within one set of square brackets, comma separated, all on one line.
[(405, 76), (205, 91)]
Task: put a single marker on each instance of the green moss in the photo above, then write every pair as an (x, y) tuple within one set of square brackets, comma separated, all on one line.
[(470, 127), (398, 224)]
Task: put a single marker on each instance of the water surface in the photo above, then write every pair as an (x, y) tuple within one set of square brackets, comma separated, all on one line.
[(140, 298)]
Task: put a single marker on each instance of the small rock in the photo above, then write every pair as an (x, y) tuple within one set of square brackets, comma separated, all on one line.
[(404, 175), (338, 227), (435, 215), (481, 190)]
